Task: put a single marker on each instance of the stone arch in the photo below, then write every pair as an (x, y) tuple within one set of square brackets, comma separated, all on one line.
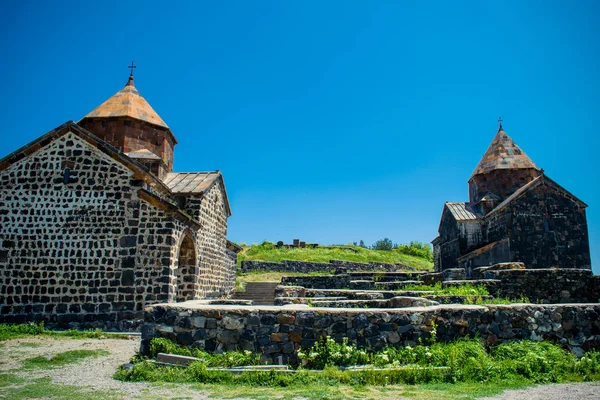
[(186, 273)]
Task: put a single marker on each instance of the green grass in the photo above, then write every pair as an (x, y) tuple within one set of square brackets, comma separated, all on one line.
[(440, 391), (259, 276), (266, 252), (482, 302), (14, 388), (16, 331), (60, 359), (462, 290)]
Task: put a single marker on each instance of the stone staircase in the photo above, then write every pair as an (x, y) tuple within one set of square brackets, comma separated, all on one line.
[(262, 293)]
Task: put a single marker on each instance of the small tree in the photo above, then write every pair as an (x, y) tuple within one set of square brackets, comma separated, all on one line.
[(383, 244)]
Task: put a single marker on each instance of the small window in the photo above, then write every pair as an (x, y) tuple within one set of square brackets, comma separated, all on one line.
[(546, 226), (127, 123)]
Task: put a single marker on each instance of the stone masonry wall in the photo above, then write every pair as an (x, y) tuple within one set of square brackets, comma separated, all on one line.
[(128, 134), (67, 248), (217, 274), (310, 266), (550, 286), (448, 244), (90, 252), (278, 333), (549, 229)]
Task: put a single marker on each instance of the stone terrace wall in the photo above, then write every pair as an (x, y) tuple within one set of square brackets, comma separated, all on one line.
[(549, 286), (277, 333), (309, 266)]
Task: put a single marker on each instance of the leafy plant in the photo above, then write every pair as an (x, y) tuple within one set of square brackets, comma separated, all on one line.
[(327, 352), (227, 359)]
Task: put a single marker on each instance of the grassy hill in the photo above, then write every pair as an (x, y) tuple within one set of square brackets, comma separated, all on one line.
[(267, 252)]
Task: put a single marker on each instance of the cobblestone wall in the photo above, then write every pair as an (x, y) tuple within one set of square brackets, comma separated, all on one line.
[(309, 266), (564, 285), (278, 333), (84, 249), (217, 275)]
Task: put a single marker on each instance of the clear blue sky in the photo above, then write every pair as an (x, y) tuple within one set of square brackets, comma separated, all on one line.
[(332, 121)]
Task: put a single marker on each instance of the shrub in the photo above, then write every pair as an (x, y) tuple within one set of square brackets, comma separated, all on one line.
[(416, 249), (384, 244)]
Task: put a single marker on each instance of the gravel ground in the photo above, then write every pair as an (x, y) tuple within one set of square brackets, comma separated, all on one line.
[(585, 391), (96, 373)]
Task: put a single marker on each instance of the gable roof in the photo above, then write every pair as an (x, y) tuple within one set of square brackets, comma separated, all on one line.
[(503, 153), (175, 180), (139, 170), (128, 102), (195, 183), (462, 211), (540, 180)]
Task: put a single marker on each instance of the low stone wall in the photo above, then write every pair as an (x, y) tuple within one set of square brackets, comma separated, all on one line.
[(309, 266), (318, 282), (353, 280), (556, 285), (277, 333)]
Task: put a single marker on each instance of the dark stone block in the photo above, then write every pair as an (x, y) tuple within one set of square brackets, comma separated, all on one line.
[(338, 327), (268, 319), (371, 330), (200, 334), (305, 319), (185, 338), (307, 343), (253, 319), (128, 241), (263, 340), (128, 262)]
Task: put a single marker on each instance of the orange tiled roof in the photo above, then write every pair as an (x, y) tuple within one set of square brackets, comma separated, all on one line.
[(503, 153), (128, 102)]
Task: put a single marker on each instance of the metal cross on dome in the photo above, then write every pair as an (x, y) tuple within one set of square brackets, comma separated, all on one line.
[(500, 121), (131, 67)]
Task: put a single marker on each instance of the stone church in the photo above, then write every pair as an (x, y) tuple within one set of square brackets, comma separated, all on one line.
[(515, 213), (95, 225)]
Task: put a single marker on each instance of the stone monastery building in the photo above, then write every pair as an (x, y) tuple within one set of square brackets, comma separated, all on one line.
[(95, 225), (515, 213)]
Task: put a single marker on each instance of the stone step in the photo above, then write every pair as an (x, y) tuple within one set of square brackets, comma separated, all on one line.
[(382, 285), (350, 294), (282, 301), (396, 302), (260, 292)]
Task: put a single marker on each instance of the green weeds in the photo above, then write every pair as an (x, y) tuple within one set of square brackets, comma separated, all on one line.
[(17, 331), (461, 361), (227, 360), (462, 290)]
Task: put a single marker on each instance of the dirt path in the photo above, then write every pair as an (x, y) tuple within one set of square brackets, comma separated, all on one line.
[(94, 373), (579, 391)]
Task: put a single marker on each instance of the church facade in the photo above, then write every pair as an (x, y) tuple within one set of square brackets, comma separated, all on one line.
[(515, 213), (95, 225)]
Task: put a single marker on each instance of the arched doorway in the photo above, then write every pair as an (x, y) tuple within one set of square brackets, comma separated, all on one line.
[(186, 273)]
